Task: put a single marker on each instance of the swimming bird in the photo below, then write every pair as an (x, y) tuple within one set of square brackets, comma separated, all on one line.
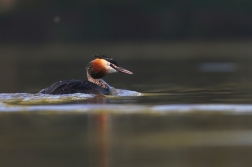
[(95, 69)]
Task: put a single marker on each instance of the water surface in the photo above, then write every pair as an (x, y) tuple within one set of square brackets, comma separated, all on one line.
[(192, 111)]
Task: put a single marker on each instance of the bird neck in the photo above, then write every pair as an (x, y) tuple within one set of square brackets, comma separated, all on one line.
[(99, 82)]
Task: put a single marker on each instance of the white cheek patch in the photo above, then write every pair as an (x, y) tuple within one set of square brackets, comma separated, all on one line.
[(109, 69)]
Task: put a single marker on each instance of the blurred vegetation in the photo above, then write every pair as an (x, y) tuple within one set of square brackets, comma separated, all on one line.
[(93, 20)]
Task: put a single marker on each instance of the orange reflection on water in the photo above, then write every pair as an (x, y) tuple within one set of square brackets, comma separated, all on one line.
[(101, 139)]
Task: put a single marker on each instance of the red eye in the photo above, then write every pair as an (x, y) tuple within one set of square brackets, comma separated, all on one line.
[(112, 65)]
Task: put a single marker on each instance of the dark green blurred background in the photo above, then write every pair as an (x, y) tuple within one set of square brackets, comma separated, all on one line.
[(95, 21), (45, 41)]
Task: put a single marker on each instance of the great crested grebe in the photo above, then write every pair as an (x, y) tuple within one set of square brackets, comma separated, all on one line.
[(96, 69)]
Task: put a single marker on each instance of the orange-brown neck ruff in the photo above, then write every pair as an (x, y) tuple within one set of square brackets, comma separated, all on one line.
[(97, 68)]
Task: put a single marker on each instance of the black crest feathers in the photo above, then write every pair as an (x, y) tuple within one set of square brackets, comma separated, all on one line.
[(109, 59)]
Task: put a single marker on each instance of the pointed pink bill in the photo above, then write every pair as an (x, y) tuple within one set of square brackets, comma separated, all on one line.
[(120, 69)]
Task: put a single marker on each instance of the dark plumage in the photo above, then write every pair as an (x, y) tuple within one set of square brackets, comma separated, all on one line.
[(75, 86)]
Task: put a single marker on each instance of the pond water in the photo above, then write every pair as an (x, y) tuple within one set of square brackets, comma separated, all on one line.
[(190, 112)]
